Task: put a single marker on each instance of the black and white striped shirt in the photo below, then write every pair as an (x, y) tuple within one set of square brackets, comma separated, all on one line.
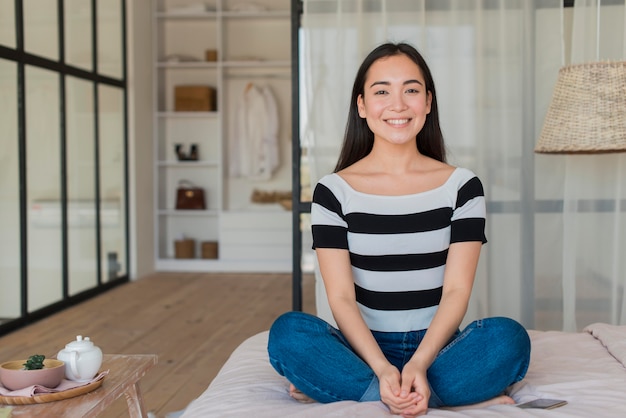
[(398, 244)]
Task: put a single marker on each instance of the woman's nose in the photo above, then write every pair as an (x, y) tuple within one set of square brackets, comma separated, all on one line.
[(397, 102)]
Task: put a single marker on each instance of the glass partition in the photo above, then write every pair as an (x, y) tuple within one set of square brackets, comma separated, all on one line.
[(112, 182), (7, 23), (78, 30), (43, 188), (81, 185), (110, 45), (41, 28), (10, 271), (63, 155)]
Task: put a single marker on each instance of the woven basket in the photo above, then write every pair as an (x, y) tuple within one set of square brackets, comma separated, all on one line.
[(588, 110)]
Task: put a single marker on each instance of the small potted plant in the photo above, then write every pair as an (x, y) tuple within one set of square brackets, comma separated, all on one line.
[(34, 362), (36, 370)]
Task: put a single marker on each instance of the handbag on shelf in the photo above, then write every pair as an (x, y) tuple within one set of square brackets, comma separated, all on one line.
[(189, 196)]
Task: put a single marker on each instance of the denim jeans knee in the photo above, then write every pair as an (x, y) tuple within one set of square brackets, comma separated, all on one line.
[(481, 362), (317, 359)]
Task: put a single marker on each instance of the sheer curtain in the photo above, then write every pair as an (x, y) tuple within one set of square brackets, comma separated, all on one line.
[(495, 64), (594, 224)]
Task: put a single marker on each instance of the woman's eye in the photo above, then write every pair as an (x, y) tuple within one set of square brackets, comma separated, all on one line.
[(412, 91), (380, 92)]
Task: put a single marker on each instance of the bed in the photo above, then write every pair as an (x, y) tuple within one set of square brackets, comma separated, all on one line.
[(587, 369)]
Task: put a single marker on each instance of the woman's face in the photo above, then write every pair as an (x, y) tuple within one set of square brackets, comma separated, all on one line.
[(395, 101)]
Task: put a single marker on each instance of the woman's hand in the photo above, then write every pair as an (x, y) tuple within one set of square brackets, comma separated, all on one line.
[(392, 394), (415, 382)]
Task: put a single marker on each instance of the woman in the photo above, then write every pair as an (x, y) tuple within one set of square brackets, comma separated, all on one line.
[(397, 234)]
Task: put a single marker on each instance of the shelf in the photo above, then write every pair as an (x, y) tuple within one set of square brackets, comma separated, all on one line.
[(251, 46), (260, 14), (187, 212), (255, 64), (188, 64), (186, 15), (252, 63), (224, 14), (189, 164)]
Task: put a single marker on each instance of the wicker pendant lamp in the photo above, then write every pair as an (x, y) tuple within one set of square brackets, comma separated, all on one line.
[(588, 110)]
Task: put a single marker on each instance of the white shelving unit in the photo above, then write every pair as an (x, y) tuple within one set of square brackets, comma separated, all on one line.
[(253, 45)]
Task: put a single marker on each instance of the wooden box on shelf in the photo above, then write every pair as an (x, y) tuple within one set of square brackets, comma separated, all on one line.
[(185, 248), (210, 55), (209, 249), (194, 98)]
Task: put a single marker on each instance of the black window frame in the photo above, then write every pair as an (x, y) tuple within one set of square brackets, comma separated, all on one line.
[(22, 59)]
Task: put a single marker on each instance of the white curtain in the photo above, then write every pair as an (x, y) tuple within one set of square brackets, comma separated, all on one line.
[(494, 64), (594, 223)]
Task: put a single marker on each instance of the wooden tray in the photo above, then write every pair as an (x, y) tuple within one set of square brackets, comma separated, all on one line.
[(51, 397)]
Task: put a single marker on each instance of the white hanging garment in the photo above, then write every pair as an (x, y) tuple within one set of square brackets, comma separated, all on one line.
[(253, 148)]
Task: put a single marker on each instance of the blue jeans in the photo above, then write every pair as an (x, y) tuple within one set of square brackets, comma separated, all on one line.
[(478, 363)]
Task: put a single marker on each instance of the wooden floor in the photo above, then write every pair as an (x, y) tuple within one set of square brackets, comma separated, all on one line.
[(191, 321)]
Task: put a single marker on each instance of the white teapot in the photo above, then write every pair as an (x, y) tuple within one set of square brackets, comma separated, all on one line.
[(82, 359)]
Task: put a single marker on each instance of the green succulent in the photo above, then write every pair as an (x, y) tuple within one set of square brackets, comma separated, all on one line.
[(34, 362)]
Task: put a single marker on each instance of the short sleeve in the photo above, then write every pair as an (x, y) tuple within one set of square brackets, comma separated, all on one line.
[(328, 225), (468, 218)]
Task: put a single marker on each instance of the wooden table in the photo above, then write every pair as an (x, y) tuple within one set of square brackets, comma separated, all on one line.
[(123, 379)]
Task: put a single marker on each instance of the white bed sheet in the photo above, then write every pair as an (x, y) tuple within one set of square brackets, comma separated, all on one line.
[(586, 369)]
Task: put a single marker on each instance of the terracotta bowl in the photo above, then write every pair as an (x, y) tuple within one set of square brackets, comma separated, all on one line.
[(14, 377)]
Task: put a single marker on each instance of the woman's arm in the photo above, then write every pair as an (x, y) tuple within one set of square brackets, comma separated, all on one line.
[(457, 287), (337, 275)]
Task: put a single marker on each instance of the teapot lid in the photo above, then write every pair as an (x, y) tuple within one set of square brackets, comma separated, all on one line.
[(80, 343)]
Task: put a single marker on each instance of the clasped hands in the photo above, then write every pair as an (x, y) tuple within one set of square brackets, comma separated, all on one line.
[(405, 393)]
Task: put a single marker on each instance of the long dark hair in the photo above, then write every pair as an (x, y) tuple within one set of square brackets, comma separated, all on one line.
[(359, 139)]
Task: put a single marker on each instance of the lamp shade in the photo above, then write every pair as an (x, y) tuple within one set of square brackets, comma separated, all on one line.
[(588, 110)]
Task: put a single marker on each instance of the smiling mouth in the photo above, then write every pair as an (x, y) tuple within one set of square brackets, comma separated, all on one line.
[(397, 121)]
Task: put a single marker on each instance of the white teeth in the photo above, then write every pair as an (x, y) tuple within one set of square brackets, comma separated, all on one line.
[(397, 121)]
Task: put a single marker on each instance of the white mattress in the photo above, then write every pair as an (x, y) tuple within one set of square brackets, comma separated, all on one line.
[(586, 369)]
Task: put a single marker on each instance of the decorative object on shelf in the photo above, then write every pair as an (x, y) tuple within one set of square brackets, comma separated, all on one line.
[(185, 248), (178, 149), (193, 153), (182, 156), (188, 98), (209, 249), (82, 359), (274, 196), (189, 196), (287, 204), (210, 55)]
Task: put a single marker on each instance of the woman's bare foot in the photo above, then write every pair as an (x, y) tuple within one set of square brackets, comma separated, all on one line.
[(498, 400), (295, 393)]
